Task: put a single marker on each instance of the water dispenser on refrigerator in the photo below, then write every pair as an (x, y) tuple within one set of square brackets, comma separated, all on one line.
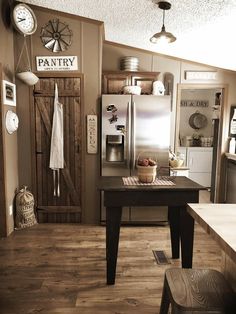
[(114, 148)]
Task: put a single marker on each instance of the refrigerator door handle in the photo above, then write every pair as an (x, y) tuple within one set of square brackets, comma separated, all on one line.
[(128, 136), (133, 114)]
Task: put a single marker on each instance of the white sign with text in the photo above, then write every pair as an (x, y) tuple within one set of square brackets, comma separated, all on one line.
[(92, 145), (60, 63), (200, 75)]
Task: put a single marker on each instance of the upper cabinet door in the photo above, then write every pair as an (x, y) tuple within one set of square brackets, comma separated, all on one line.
[(114, 81), (145, 81)]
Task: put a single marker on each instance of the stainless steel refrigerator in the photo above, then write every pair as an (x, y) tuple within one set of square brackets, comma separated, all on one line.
[(132, 127)]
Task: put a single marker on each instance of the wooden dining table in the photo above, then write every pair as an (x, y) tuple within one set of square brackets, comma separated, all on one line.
[(219, 221), (176, 197)]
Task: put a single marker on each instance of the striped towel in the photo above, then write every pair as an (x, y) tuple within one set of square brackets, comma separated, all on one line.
[(135, 181)]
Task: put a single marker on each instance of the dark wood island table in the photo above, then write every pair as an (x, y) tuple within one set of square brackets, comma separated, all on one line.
[(176, 197)]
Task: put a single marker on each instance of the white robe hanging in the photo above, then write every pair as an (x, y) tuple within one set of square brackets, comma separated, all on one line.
[(57, 142)]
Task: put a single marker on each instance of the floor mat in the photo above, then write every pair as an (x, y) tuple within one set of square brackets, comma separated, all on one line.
[(161, 257)]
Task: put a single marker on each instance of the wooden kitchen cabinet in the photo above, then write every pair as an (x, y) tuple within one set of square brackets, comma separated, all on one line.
[(114, 81)]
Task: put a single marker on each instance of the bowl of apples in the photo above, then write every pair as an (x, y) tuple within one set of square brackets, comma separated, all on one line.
[(147, 168)]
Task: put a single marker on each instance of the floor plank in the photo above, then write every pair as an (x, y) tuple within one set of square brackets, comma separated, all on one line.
[(61, 269)]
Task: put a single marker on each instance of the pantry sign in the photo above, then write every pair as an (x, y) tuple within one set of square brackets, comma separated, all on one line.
[(60, 63)]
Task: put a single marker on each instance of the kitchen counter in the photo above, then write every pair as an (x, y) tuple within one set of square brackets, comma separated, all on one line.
[(219, 220), (179, 168), (230, 156), (179, 171), (197, 147)]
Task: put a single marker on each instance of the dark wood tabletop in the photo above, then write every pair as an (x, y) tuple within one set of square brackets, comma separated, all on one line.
[(176, 197), (116, 184)]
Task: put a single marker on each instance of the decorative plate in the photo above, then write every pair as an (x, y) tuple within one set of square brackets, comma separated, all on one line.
[(56, 36), (11, 121), (197, 120)]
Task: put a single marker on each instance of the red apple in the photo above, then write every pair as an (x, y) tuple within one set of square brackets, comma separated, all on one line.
[(151, 162), (143, 162)]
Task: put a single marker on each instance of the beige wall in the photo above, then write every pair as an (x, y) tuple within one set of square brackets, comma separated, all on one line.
[(186, 111), (92, 56), (87, 45), (159, 63), (9, 156), (149, 61)]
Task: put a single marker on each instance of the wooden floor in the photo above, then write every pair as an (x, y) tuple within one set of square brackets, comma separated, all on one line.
[(61, 269)]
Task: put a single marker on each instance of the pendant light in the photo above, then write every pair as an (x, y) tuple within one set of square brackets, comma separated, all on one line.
[(163, 36)]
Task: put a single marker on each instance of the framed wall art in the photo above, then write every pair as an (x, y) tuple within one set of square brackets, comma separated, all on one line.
[(9, 93), (231, 121)]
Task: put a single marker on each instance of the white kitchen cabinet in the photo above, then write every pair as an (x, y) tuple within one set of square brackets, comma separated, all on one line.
[(199, 162)]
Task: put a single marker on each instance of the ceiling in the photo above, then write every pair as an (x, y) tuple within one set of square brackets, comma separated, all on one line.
[(205, 29)]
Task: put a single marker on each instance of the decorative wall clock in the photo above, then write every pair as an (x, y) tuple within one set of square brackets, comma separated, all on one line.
[(56, 36), (24, 19)]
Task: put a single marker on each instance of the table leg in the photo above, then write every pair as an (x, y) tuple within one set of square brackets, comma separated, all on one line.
[(113, 219), (186, 234), (174, 221)]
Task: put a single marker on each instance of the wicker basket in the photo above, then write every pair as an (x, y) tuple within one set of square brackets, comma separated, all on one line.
[(176, 163), (147, 174)]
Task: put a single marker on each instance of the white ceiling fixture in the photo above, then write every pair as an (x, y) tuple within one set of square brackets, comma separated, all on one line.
[(205, 29), (163, 37)]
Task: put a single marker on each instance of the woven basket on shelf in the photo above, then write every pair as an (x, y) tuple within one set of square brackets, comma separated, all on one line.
[(176, 163), (147, 174)]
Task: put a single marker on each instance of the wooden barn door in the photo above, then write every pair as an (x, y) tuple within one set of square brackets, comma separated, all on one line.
[(66, 207)]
